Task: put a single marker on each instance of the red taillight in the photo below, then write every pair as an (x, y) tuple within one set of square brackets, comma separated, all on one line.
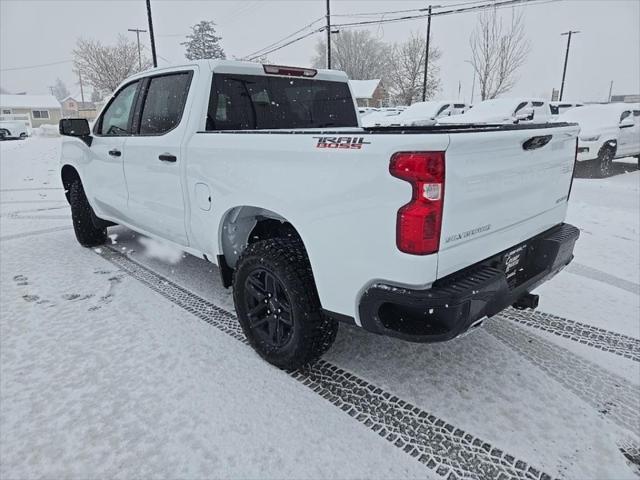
[(290, 71), (419, 222)]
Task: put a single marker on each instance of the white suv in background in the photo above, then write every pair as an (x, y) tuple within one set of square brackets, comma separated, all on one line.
[(428, 113), (607, 132), (504, 111)]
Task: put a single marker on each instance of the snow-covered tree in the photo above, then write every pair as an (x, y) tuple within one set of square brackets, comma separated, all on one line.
[(203, 43), (498, 51), (357, 52), (104, 67), (95, 96), (60, 90), (406, 75)]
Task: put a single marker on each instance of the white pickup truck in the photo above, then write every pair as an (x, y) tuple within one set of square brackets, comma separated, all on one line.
[(414, 232), (13, 129)]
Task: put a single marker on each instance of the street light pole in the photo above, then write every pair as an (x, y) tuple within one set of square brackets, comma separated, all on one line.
[(328, 16), (153, 40), (426, 57), (473, 84), (566, 59), (138, 32)]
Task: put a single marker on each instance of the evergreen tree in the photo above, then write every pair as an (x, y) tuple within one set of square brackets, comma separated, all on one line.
[(60, 90), (202, 42)]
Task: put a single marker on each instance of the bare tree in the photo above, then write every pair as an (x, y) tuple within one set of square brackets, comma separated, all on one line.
[(358, 53), (60, 90), (104, 67), (202, 42), (406, 72), (498, 51)]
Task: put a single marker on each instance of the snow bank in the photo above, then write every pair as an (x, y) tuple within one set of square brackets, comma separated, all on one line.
[(45, 131)]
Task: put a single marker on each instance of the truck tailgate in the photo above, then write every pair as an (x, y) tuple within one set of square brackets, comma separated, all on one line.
[(501, 188)]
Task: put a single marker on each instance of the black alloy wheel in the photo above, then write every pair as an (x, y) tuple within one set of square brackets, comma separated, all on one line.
[(268, 308)]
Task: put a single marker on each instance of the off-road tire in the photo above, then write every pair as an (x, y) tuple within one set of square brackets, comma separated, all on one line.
[(87, 234), (312, 333), (601, 167)]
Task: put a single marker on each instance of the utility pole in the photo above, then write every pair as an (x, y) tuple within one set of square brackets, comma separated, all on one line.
[(138, 32), (153, 40), (610, 90), (81, 89), (566, 59), (328, 27), (426, 57), (473, 84)]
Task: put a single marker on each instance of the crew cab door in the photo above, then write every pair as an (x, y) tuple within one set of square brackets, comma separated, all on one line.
[(104, 180), (154, 163), (628, 136)]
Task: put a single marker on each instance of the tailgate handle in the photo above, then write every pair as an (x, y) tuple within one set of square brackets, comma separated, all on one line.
[(536, 142)]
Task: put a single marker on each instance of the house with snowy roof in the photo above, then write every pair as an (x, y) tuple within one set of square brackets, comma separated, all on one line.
[(368, 93), (33, 110), (72, 108)]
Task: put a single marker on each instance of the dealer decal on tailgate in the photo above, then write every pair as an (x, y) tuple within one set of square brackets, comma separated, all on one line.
[(354, 143)]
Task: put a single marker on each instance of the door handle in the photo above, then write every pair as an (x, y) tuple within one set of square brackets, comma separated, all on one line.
[(167, 157), (115, 152)]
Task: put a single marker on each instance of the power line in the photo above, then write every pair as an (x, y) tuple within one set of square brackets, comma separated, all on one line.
[(258, 53), (464, 7), (26, 67)]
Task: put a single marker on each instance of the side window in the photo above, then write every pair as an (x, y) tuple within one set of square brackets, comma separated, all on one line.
[(115, 120), (250, 102), (164, 103), (521, 106), (624, 115), (636, 113), (442, 109)]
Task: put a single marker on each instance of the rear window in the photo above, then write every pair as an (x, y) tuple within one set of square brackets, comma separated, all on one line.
[(248, 102)]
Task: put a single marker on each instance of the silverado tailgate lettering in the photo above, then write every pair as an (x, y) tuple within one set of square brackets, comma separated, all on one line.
[(352, 143)]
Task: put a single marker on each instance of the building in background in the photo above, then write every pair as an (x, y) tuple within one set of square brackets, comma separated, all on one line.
[(625, 98), (33, 110), (72, 108), (368, 93)]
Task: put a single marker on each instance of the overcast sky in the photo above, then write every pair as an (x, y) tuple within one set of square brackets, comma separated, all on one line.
[(34, 32)]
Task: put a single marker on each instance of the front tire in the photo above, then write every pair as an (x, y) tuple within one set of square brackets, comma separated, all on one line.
[(87, 234), (278, 305), (602, 166)]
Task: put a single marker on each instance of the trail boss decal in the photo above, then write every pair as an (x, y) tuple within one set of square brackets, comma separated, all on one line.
[(353, 143)]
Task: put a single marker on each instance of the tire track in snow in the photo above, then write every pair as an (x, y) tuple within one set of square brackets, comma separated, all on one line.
[(35, 232), (29, 189), (613, 396), (20, 214), (605, 340), (445, 449), (604, 277)]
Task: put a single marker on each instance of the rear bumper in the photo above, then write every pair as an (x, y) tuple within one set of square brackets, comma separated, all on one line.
[(456, 302)]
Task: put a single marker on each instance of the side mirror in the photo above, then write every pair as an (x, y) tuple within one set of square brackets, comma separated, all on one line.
[(76, 127), (524, 114), (627, 122)]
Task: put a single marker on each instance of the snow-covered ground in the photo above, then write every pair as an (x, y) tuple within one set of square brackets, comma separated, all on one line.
[(126, 361)]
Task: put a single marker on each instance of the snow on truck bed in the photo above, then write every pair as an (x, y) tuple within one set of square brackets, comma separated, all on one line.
[(127, 361)]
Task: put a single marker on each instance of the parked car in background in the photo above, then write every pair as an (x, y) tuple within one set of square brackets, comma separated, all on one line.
[(504, 111), (383, 117), (13, 129), (558, 108), (607, 132), (427, 113)]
